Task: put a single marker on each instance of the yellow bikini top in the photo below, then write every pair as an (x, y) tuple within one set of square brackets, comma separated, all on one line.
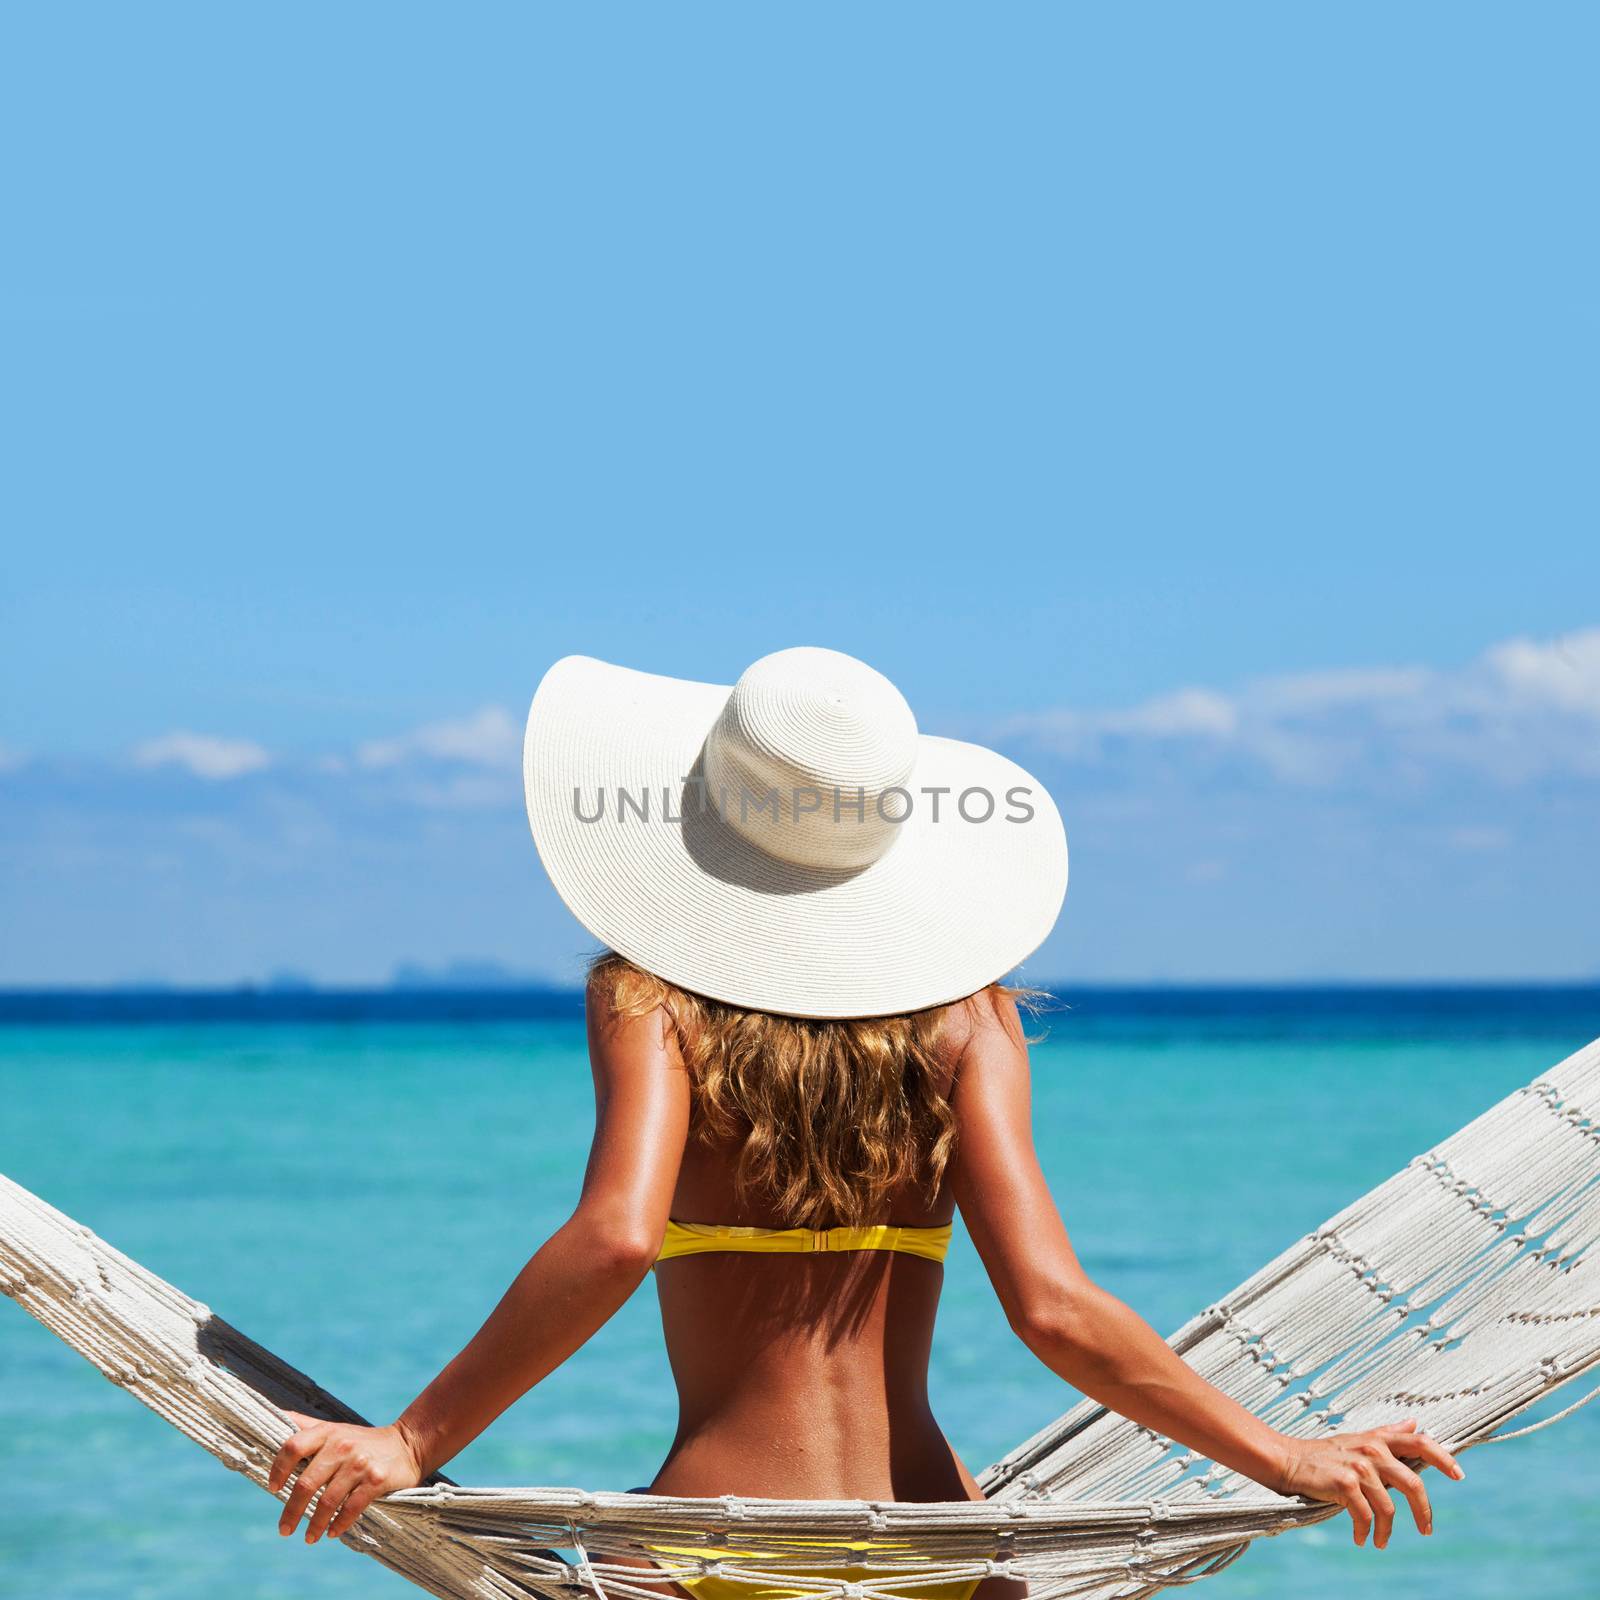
[(702, 1238)]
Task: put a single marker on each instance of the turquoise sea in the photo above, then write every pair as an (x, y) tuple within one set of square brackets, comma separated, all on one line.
[(354, 1180)]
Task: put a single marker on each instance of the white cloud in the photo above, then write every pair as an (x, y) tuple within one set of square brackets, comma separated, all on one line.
[(1523, 711), (1185, 713), (1355, 686), (203, 754), (1562, 672), (487, 738)]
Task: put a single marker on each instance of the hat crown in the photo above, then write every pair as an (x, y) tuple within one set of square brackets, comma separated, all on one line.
[(804, 756)]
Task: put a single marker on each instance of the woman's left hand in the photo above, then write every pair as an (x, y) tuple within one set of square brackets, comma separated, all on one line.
[(1357, 1471), (351, 1466)]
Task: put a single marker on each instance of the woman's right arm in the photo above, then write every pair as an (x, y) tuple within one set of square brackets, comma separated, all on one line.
[(1102, 1347), (573, 1285), (594, 1261)]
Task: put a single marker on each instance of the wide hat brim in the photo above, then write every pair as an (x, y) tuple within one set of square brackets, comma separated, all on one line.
[(952, 905)]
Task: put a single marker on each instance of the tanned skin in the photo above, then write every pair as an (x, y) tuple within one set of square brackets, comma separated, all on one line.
[(805, 1376)]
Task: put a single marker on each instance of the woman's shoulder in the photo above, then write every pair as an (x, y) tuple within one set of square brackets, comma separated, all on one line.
[(627, 1019), (987, 1018)]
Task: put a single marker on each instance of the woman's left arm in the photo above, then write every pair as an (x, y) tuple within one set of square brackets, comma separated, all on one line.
[(576, 1282)]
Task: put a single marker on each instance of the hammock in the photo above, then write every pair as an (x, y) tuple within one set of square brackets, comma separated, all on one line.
[(1460, 1292)]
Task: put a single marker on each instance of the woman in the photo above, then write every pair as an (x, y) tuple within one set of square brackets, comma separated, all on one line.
[(804, 1066)]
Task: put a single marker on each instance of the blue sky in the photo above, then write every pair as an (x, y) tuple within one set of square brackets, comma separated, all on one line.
[(1197, 402)]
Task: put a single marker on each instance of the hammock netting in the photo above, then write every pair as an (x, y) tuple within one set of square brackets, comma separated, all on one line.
[(1460, 1292)]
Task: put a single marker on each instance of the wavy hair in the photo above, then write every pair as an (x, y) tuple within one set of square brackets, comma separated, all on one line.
[(833, 1119)]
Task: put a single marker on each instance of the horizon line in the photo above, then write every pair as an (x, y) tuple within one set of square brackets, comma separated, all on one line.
[(269, 989)]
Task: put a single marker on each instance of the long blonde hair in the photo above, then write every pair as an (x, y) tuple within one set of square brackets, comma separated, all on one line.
[(833, 1119)]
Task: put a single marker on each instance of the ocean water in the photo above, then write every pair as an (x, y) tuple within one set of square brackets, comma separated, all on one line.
[(354, 1182)]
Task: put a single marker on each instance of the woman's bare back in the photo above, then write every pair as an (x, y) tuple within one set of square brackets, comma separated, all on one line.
[(802, 1376)]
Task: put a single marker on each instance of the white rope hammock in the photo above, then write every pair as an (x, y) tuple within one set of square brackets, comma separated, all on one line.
[(1460, 1292)]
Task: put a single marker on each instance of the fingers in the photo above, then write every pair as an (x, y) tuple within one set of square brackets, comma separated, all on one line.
[(332, 1498), (1417, 1446), (312, 1477), (357, 1501), (1382, 1504), (1355, 1502), (296, 1448), (1397, 1475), (1362, 1494)]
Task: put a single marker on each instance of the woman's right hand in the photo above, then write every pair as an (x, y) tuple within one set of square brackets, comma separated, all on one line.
[(1357, 1470), (345, 1467)]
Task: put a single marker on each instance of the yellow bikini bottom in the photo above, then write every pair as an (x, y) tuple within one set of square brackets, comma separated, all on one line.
[(903, 1583)]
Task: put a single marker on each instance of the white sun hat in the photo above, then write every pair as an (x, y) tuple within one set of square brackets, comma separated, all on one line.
[(791, 844)]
